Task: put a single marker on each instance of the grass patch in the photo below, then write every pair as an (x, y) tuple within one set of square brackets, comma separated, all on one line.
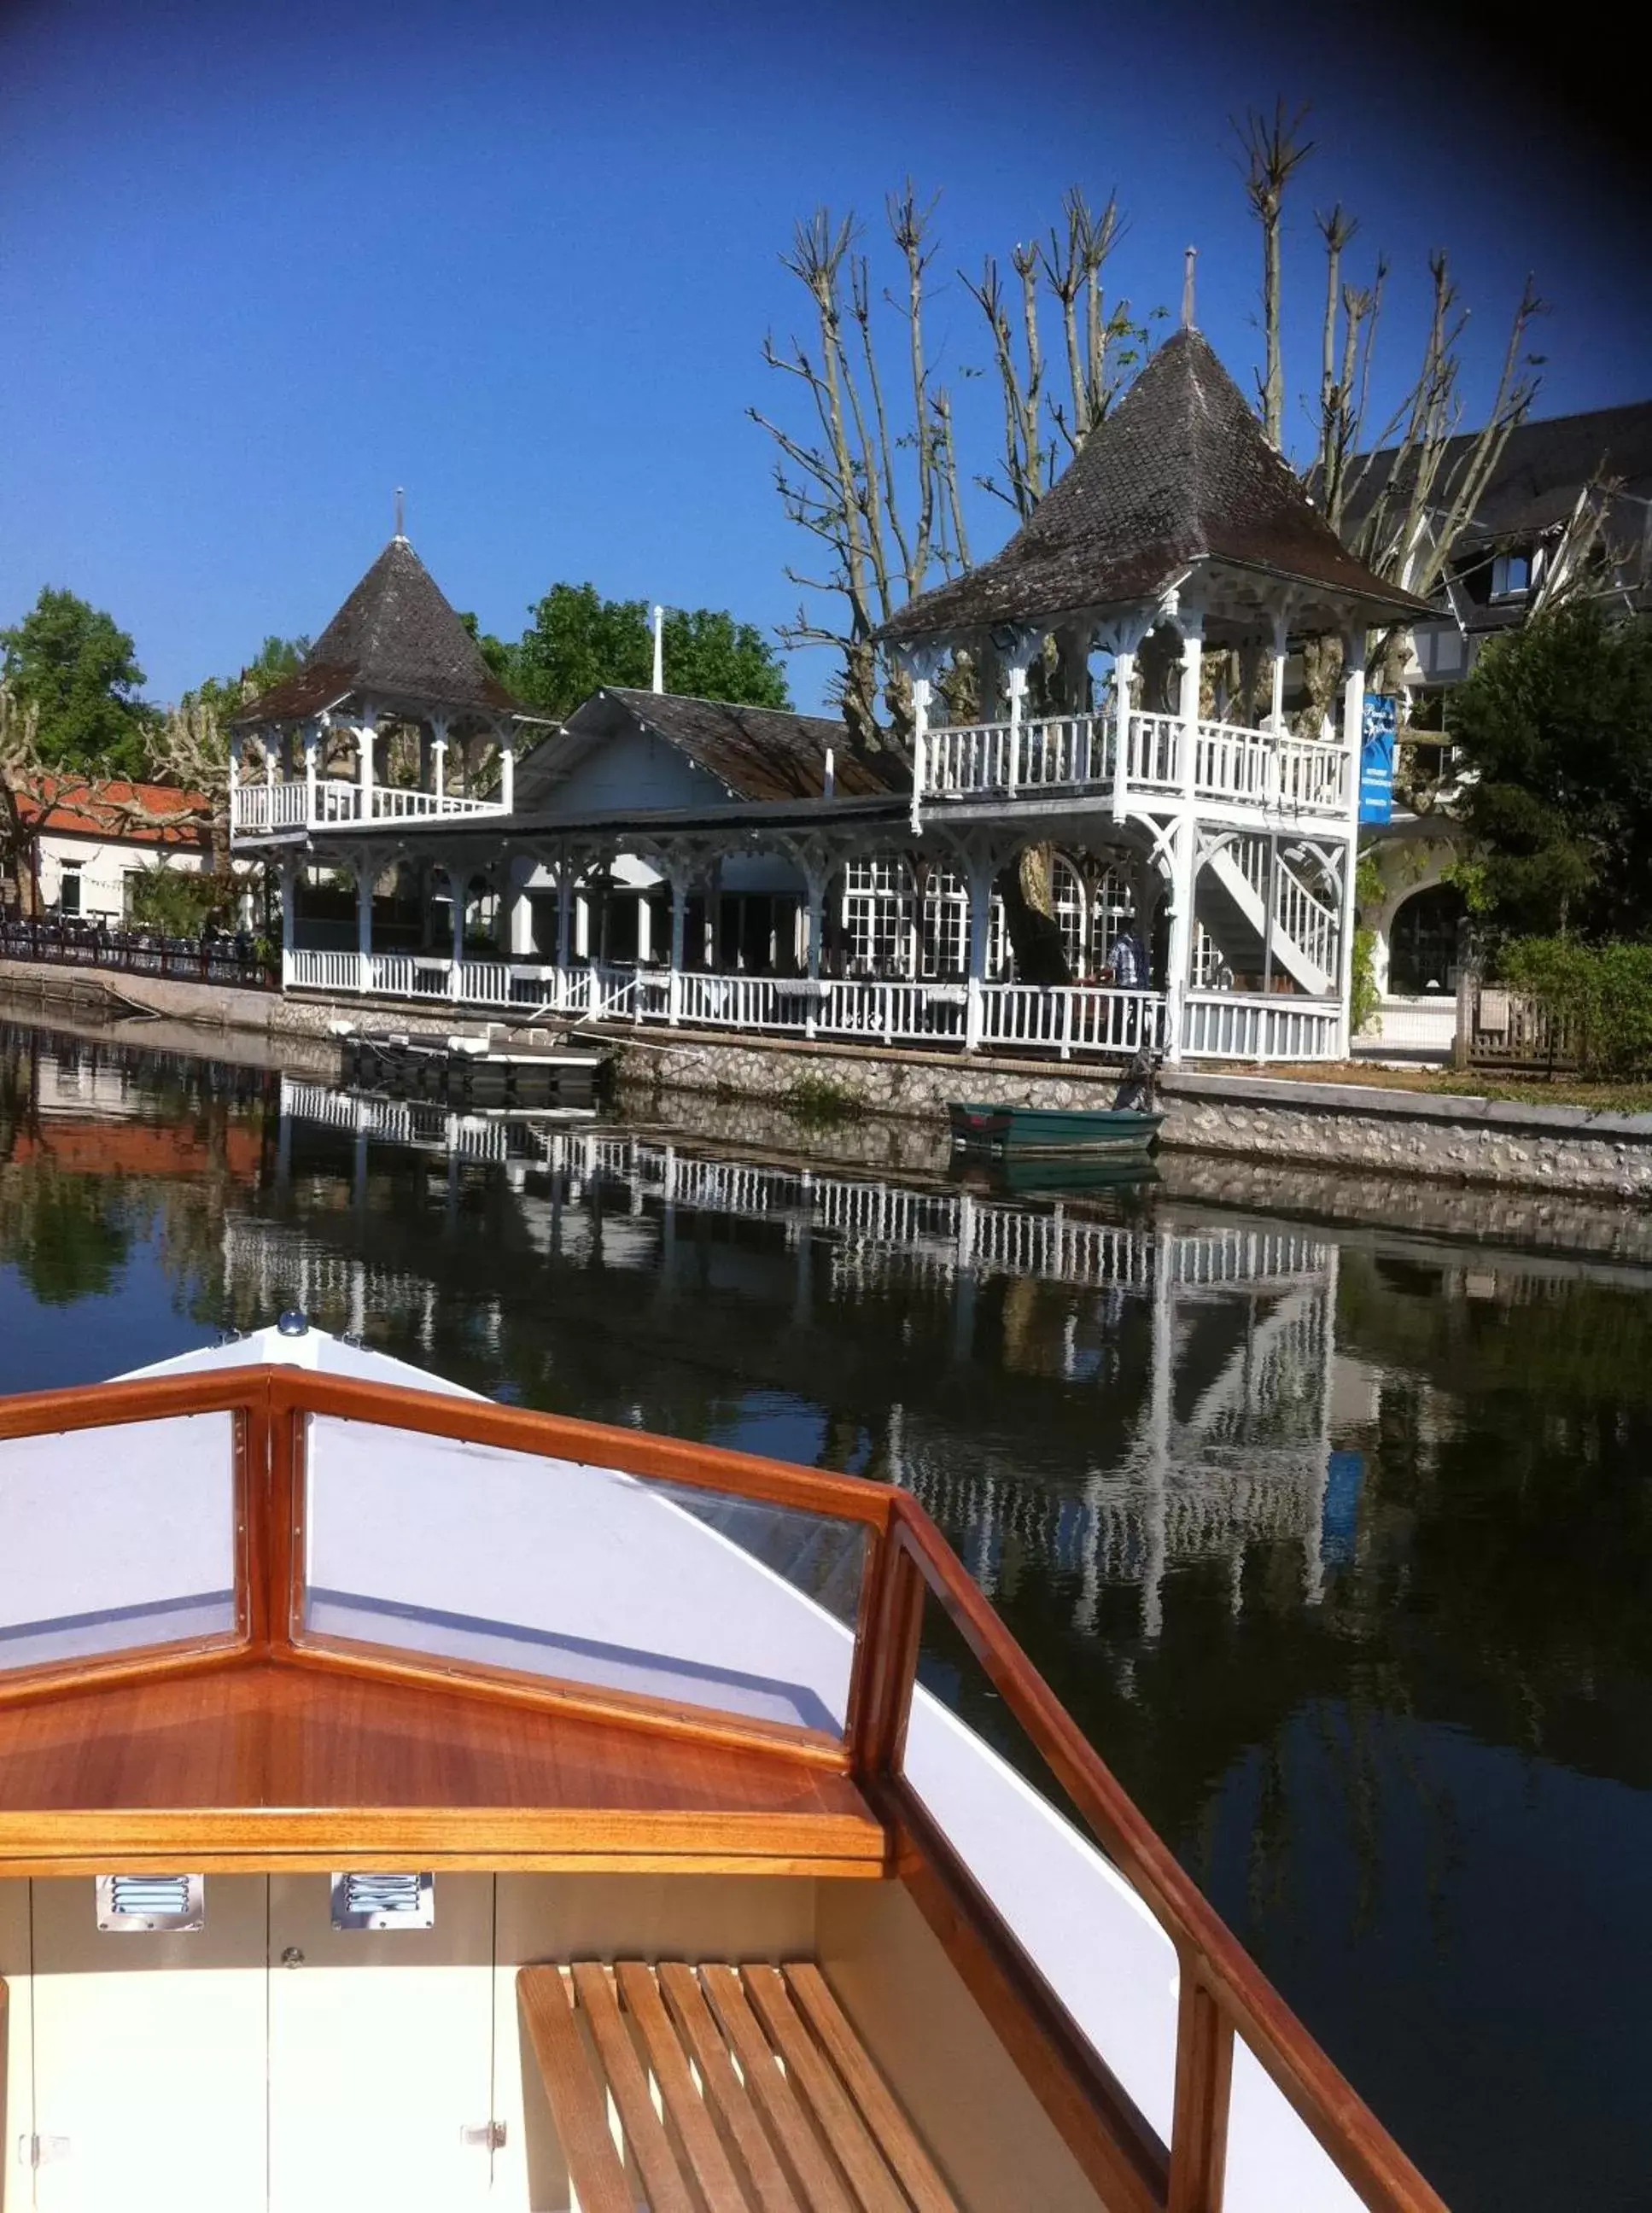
[(1601, 1098), (820, 1104)]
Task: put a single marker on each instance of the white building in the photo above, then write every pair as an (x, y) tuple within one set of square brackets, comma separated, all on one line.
[(91, 839), (687, 861)]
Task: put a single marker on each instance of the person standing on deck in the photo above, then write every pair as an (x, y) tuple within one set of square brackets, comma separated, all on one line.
[(1127, 971)]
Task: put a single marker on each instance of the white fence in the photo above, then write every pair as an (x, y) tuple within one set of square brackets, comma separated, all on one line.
[(257, 809), (1232, 766), (1051, 1021), (1253, 1026)]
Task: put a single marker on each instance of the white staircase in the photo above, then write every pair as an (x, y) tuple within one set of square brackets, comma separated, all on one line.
[(1233, 899)]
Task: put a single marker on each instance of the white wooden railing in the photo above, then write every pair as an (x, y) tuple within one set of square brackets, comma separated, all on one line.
[(1231, 766), (1299, 914), (1254, 1027), (257, 807)]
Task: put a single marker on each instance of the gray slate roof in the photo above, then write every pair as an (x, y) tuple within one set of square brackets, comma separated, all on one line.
[(1179, 471), (396, 641), (1542, 468), (756, 752)]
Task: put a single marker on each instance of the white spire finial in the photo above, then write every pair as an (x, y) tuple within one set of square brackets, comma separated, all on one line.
[(400, 533), (1193, 255), (659, 649)]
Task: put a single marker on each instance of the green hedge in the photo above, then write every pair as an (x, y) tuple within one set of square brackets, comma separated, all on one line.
[(1601, 993)]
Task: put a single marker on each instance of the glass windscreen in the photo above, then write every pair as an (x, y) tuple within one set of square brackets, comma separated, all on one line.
[(116, 1539), (989, 1790), (579, 1573)]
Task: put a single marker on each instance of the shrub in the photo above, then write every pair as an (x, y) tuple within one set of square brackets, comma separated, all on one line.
[(1602, 995)]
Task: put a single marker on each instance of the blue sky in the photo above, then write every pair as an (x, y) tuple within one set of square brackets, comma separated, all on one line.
[(261, 264)]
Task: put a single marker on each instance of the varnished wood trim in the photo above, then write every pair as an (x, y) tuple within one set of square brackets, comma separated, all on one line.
[(578, 2104), (1204, 2075), (897, 2139), (415, 1829), (1344, 2127), (684, 1724), (153, 1399), (149, 1663), (628, 2086), (687, 2110), (1119, 2153), (594, 1444), (349, 1850)]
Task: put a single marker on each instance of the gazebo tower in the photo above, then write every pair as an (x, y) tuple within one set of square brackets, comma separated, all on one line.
[(1177, 532), (395, 662)]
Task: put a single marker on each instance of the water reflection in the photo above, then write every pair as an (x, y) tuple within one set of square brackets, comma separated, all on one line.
[(1335, 1536)]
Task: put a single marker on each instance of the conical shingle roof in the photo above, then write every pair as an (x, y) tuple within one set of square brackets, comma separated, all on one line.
[(396, 641), (1179, 472)]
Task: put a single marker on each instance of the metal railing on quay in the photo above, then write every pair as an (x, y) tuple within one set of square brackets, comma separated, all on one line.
[(225, 961)]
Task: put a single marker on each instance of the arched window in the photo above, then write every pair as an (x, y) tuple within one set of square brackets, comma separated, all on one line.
[(877, 911), (1423, 941), (1111, 903), (1071, 908), (944, 949)]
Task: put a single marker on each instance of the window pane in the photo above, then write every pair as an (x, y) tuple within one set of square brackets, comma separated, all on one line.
[(989, 1789), (580, 1573), (116, 1539)]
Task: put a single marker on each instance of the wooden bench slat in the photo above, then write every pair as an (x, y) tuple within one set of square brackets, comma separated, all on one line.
[(688, 2110), (683, 1995), (811, 2169), (628, 2084), (834, 2112), (576, 2102), (895, 2134)]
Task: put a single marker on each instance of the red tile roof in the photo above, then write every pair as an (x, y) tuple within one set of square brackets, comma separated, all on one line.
[(113, 809)]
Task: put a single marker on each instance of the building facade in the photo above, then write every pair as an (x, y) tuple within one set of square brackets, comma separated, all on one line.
[(1115, 842)]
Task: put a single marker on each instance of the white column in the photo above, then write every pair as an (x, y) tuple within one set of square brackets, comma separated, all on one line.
[(1178, 958), (366, 729), (458, 883), (363, 921), (507, 771), (235, 777), (289, 916), (1124, 671), (1192, 654), (644, 929), (980, 937), (1016, 680), (439, 757), (564, 913), (1353, 717), (312, 741), (1277, 708), (920, 744), (815, 893)]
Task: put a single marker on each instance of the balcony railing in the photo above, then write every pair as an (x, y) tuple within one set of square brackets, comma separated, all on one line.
[(262, 809), (1051, 1021), (1230, 766)]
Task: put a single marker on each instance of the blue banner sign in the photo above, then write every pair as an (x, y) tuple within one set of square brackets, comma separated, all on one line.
[(1376, 760)]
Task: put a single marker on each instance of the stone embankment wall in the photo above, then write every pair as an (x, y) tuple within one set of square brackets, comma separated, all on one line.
[(1364, 1127), (1322, 1125)]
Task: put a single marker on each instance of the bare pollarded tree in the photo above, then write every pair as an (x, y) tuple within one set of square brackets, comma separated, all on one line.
[(872, 473), (1399, 489)]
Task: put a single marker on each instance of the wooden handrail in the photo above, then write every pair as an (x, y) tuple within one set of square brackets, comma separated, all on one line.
[(1224, 1991)]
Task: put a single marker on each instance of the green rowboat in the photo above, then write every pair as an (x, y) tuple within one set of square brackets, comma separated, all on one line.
[(1031, 1130)]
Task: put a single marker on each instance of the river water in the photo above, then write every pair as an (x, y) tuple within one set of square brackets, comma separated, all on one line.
[(1326, 1507)]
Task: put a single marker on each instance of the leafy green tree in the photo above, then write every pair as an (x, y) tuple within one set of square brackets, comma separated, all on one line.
[(578, 641), (75, 670), (497, 654), (1554, 725), (224, 697)]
